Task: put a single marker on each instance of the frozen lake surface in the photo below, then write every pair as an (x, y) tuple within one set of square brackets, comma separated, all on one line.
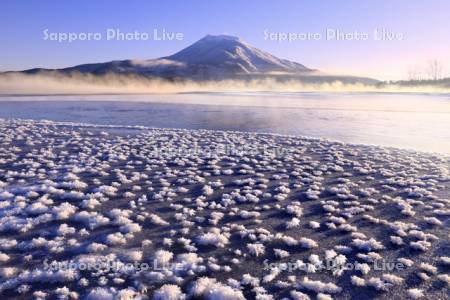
[(88, 213), (412, 121)]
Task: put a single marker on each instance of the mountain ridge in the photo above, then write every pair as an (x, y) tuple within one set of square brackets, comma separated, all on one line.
[(214, 57)]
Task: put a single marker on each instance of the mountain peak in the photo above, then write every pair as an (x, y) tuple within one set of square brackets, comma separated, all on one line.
[(231, 54), (222, 37), (212, 57)]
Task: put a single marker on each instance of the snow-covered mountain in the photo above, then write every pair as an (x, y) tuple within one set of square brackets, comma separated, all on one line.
[(233, 54), (212, 57)]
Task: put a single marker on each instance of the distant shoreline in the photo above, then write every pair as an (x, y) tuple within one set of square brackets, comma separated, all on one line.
[(230, 93)]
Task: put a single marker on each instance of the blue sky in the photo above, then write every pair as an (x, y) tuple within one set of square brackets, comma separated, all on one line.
[(423, 24)]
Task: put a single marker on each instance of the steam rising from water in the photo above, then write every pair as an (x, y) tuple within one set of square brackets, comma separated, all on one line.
[(56, 83)]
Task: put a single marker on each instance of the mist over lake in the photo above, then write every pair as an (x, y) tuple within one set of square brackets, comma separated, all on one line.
[(411, 121)]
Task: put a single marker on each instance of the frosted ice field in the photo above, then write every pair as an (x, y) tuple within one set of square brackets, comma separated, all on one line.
[(129, 212)]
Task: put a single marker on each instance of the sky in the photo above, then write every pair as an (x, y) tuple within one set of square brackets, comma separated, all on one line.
[(420, 29)]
